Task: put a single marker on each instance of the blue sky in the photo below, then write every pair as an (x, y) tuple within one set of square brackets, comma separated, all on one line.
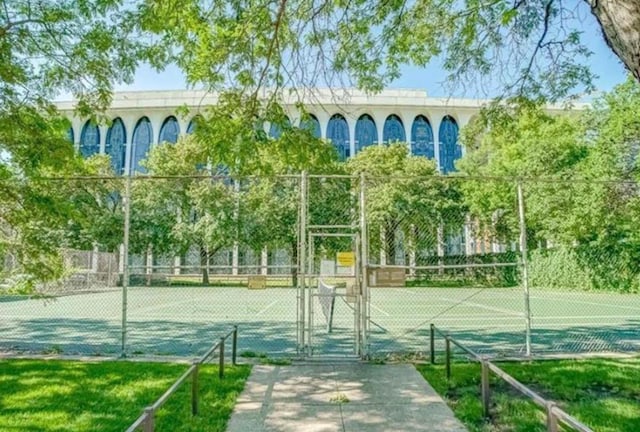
[(603, 63)]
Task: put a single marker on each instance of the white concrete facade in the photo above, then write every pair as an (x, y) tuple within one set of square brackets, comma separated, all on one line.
[(131, 107), (157, 106)]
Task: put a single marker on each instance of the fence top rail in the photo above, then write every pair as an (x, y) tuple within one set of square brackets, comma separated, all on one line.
[(213, 349), (449, 177), (171, 390), (562, 415), (570, 420), (539, 400), (136, 424), (444, 266)]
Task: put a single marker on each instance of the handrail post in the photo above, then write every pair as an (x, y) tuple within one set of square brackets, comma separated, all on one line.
[(195, 385), (149, 422), (447, 349), (234, 346), (221, 362), (486, 395), (552, 420), (432, 344)]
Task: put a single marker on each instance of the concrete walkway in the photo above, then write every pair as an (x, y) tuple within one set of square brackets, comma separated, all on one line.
[(340, 397)]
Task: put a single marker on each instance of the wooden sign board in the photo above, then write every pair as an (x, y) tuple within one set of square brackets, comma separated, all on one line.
[(387, 277), (257, 282)]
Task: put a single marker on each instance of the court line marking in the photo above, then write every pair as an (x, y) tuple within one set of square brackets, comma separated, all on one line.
[(635, 308), (464, 302), (267, 307), (378, 309)]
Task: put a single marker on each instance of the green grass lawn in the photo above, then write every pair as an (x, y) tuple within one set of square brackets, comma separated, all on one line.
[(52, 395), (603, 394)]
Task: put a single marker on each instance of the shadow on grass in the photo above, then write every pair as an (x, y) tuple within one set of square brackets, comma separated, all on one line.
[(603, 394), (108, 396)]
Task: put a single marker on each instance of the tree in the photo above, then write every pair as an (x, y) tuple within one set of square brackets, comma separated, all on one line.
[(533, 49), (49, 47), (405, 196), (579, 174), (522, 141)]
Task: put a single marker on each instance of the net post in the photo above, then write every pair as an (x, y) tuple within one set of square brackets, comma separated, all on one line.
[(234, 345), (525, 268), (125, 257), (432, 343), (195, 388), (221, 359), (447, 349), (486, 392)]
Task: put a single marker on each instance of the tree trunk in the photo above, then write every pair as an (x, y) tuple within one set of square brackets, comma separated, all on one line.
[(620, 23), (204, 265), (294, 261), (390, 240)]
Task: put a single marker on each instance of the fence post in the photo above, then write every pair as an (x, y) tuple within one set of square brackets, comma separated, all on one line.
[(525, 269), (195, 387), (149, 422), (125, 257), (432, 344), (302, 265), (447, 349), (552, 420), (221, 362), (486, 395), (234, 345)]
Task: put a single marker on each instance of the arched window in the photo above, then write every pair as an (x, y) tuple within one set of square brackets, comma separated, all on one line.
[(366, 132), (70, 135), (170, 130), (338, 134), (142, 135), (450, 150), (89, 139), (192, 126), (312, 125), (422, 137), (116, 145), (275, 130), (393, 130)]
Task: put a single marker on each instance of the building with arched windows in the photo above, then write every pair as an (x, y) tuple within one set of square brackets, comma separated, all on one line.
[(351, 120)]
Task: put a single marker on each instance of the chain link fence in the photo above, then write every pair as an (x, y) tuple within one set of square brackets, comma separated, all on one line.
[(159, 265)]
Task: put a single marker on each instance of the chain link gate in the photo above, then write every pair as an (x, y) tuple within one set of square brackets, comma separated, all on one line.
[(332, 294)]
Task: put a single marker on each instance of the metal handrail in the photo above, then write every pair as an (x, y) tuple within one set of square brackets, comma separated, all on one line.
[(553, 412), (147, 418)]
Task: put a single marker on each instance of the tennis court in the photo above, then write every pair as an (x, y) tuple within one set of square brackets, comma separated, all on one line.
[(183, 320)]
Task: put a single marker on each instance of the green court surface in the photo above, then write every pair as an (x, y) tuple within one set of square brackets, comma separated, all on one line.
[(186, 320)]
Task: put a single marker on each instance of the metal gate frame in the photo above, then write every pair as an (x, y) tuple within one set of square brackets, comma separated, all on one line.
[(306, 233)]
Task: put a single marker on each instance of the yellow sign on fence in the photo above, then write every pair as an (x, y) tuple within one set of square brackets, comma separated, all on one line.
[(346, 259)]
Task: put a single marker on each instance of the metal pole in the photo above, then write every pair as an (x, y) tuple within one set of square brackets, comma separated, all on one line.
[(432, 344), (525, 270), (125, 257), (221, 360), (486, 395), (194, 388), (302, 257), (447, 350), (234, 345), (363, 296)]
